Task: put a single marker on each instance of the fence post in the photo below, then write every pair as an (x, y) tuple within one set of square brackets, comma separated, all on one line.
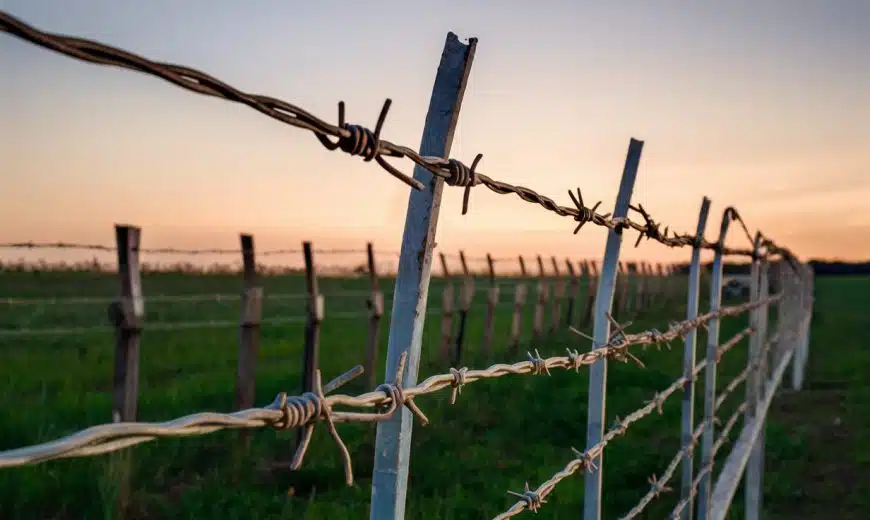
[(393, 441), (755, 379), (491, 304), (249, 344), (558, 295), (126, 316), (639, 288), (519, 303), (601, 334), (660, 274), (465, 298), (687, 426), (314, 317), (708, 437), (574, 282), (375, 304), (649, 286), (446, 312), (618, 289), (592, 292), (540, 304)]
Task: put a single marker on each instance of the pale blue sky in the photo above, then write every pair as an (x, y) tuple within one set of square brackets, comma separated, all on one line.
[(764, 105)]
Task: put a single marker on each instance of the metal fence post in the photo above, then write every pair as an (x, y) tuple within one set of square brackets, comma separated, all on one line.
[(752, 477), (705, 485), (687, 427), (393, 439), (601, 333)]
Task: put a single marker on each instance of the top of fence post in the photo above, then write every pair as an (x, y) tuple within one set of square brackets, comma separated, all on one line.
[(687, 426), (393, 440), (601, 332)]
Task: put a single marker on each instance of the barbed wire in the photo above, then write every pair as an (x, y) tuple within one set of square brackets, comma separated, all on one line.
[(720, 441), (357, 140), (182, 251), (164, 326), (533, 500), (303, 410), (659, 484), (214, 297)]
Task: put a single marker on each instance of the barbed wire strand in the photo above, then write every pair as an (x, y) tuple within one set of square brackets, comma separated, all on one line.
[(357, 140), (720, 441), (507, 286), (533, 500), (659, 484), (164, 326), (296, 411), (183, 251)]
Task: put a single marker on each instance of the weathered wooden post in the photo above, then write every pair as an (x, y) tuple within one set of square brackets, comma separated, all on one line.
[(558, 296), (519, 302), (375, 305), (249, 344), (446, 313), (491, 305)]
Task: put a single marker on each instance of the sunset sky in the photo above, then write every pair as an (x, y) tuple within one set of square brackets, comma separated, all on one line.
[(760, 105)]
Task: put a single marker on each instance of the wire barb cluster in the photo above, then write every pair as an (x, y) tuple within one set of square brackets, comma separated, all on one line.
[(300, 411), (355, 140)]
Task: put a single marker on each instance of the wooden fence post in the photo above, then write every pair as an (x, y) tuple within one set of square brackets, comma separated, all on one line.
[(620, 291), (592, 290), (249, 344), (639, 288), (466, 297), (543, 296), (393, 441), (558, 296), (574, 282), (314, 317), (375, 304), (601, 334), (519, 302), (446, 313), (687, 424), (491, 305), (126, 315)]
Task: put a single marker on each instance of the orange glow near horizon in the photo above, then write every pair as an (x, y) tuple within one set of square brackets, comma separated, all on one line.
[(773, 119)]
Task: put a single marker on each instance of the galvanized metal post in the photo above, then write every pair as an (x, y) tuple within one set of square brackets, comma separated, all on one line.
[(705, 485), (393, 439), (601, 332), (687, 427), (752, 477)]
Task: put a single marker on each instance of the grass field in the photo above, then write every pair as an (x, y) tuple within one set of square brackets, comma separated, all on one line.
[(500, 433)]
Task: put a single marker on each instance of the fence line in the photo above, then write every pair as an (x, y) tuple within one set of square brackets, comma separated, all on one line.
[(433, 170), (358, 140)]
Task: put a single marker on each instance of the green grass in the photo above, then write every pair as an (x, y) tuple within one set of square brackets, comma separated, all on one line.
[(500, 433)]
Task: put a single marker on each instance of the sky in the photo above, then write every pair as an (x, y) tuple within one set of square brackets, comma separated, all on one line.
[(761, 105)]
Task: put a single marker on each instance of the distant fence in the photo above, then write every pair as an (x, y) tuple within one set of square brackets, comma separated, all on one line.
[(393, 401)]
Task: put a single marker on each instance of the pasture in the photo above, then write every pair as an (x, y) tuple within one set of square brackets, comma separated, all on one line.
[(498, 435)]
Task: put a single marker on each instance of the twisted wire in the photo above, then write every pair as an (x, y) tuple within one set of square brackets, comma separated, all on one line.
[(532, 500), (357, 140), (111, 437)]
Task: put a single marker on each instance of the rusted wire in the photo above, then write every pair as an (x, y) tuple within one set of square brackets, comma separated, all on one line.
[(179, 251), (355, 139), (720, 441), (298, 411), (532, 500)]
